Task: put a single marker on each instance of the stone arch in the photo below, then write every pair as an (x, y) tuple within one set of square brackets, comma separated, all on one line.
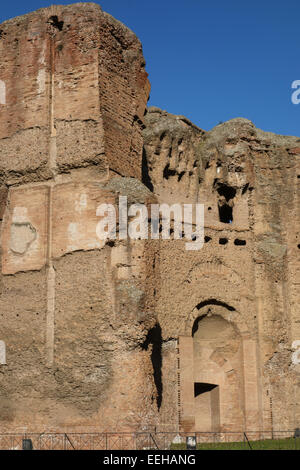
[(219, 283), (215, 269), (205, 307)]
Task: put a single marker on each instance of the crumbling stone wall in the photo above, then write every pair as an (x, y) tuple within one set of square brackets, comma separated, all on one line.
[(131, 334), (75, 312), (247, 272)]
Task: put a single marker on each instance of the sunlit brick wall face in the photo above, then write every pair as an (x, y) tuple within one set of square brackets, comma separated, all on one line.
[(248, 181), (80, 73), (73, 91)]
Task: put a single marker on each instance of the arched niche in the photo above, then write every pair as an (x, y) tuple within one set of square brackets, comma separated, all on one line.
[(209, 307), (218, 371), (218, 366)]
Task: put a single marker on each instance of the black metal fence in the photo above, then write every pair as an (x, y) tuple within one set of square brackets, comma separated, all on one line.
[(250, 440), (79, 441)]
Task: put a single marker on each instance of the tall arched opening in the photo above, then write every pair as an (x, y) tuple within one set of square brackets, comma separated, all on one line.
[(217, 370), (218, 385)]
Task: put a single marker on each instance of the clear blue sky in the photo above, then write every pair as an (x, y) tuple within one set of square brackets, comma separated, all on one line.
[(213, 60)]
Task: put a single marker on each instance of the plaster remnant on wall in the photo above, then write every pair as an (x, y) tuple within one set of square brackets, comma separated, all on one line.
[(20, 215), (41, 80), (2, 353), (2, 92), (22, 236), (296, 353), (73, 231), (81, 205), (42, 59), (92, 246)]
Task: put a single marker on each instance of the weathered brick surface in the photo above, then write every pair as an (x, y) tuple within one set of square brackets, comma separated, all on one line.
[(122, 335), (253, 286), (78, 72), (73, 93)]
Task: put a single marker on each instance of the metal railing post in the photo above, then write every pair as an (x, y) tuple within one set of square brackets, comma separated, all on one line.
[(247, 441)]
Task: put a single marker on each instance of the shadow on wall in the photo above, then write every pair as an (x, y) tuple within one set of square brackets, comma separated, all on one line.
[(145, 172), (154, 339)]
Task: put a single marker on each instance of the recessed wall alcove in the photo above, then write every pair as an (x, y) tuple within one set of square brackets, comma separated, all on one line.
[(218, 372)]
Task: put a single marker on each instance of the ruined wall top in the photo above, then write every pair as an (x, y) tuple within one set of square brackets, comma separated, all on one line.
[(73, 74)]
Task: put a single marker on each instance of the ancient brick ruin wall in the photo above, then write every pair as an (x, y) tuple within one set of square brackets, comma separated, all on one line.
[(74, 312), (115, 336), (248, 271)]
